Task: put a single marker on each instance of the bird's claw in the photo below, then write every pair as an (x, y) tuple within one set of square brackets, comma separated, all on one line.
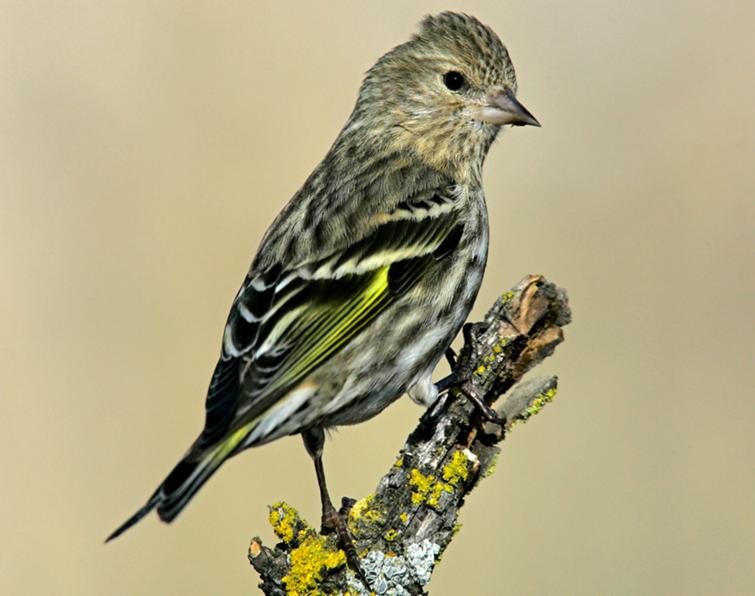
[(347, 504), (336, 522), (458, 379), (488, 413)]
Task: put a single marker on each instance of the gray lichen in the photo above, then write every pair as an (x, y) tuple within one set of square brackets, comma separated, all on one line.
[(421, 559), (397, 575)]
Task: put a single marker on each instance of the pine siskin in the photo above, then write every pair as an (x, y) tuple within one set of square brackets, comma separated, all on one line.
[(366, 276)]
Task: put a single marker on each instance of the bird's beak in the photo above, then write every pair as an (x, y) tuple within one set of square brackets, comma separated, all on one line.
[(503, 108)]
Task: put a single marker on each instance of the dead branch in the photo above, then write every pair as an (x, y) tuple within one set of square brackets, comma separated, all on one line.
[(402, 529)]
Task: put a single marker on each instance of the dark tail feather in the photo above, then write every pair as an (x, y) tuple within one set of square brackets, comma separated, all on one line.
[(178, 488), (184, 482), (149, 506)]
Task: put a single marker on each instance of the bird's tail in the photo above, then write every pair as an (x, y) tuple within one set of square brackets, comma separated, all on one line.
[(185, 480)]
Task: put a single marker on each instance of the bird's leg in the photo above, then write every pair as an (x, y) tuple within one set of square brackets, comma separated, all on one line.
[(332, 520), (458, 374), (456, 377), (451, 357), (459, 370)]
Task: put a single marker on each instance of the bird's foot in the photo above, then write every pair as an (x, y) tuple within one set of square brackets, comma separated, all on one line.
[(336, 521), (477, 400), (461, 375), (460, 380)]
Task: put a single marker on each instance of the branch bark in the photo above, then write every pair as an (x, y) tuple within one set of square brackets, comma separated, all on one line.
[(402, 529)]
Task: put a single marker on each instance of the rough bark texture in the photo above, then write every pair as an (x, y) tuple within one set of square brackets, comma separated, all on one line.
[(402, 529)]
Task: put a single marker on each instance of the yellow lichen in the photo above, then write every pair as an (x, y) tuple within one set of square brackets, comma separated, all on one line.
[(455, 471), (364, 510), (310, 563), (404, 517), (422, 485), (399, 463), (284, 520), (429, 491), (391, 535), (433, 499), (538, 403)]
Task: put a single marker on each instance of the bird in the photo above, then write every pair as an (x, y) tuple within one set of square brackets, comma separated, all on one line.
[(363, 280)]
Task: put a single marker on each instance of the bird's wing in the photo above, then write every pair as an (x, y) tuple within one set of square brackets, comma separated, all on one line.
[(285, 322)]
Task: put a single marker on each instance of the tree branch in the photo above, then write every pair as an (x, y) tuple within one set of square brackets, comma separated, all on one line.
[(402, 529)]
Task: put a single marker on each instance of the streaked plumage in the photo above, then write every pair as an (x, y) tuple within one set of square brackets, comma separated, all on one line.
[(366, 276)]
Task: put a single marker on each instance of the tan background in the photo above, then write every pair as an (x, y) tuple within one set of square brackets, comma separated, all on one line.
[(145, 147)]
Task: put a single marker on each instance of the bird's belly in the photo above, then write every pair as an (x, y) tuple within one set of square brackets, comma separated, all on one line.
[(404, 344)]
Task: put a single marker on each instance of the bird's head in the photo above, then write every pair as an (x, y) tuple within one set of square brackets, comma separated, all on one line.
[(446, 92)]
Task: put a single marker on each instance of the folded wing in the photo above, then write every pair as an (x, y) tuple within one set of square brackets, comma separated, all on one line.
[(285, 323)]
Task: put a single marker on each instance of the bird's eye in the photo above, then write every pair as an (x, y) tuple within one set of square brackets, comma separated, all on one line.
[(453, 80)]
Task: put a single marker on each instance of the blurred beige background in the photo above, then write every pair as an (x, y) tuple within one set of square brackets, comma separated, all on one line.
[(146, 146)]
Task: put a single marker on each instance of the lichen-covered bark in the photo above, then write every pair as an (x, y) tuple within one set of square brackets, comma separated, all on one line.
[(402, 529)]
